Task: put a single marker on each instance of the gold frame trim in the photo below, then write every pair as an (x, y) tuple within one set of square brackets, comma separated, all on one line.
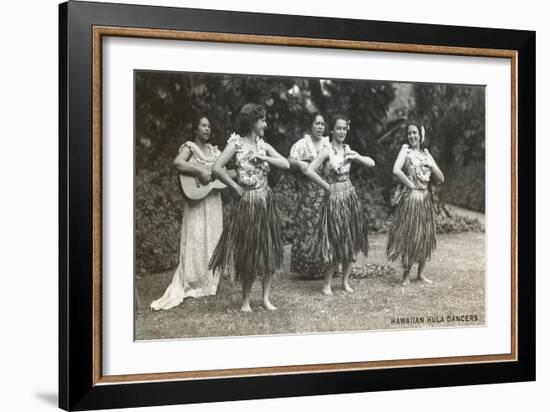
[(101, 31)]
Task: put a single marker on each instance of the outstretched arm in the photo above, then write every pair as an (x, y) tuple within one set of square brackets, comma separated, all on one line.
[(364, 161), (219, 168), (274, 158), (313, 166), (297, 165), (398, 168)]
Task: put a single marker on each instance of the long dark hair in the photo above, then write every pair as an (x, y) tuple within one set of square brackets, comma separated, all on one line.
[(332, 124), (419, 127)]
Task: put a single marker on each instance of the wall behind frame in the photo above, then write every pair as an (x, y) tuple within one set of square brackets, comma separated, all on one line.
[(28, 213)]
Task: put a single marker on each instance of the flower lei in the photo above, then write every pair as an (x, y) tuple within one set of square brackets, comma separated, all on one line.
[(250, 171), (421, 171), (340, 166)]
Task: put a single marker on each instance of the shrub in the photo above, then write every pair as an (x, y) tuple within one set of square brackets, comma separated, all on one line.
[(457, 224), (466, 187), (158, 214)]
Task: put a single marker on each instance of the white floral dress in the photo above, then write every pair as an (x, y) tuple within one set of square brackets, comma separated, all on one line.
[(201, 228)]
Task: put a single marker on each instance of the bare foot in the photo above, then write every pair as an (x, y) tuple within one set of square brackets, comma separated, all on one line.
[(268, 305), (405, 282), (246, 307), (424, 279), (327, 290), (347, 287)]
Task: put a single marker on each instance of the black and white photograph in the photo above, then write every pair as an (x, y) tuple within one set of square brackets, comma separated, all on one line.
[(277, 205)]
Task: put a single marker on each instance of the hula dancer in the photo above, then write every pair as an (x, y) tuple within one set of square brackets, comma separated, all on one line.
[(341, 231), (412, 233), (251, 243), (310, 199)]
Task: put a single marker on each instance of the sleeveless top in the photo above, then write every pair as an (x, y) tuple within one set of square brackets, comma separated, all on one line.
[(251, 172), (415, 168), (336, 167)]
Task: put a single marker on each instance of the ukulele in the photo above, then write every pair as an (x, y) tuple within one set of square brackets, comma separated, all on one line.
[(195, 190)]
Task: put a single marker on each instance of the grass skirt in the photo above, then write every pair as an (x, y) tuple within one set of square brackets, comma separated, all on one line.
[(412, 233), (341, 231), (250, 245)]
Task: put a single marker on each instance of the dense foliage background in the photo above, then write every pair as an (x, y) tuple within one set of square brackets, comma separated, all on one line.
[(454, 117)]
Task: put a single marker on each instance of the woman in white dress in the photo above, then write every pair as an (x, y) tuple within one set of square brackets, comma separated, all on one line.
[(201, 226)]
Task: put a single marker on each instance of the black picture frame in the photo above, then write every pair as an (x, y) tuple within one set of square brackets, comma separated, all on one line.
[(78, 388)]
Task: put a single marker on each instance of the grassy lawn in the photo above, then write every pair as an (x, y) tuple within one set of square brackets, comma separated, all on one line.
[(457, 269)]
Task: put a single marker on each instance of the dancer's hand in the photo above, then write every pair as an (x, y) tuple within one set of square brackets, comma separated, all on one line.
[(239, 190), (352, 156), (430, 160), (258, 158)]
